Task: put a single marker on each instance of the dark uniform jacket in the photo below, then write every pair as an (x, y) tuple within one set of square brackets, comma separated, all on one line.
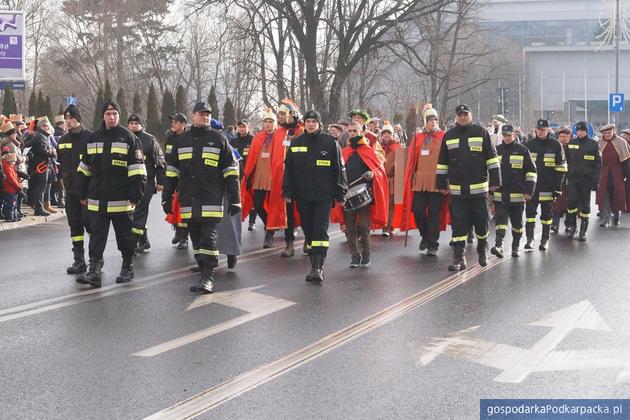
[(584, 160), (468, 164), (41, 151), (518, 173), (70, 150), (153, 158), (112, 175), (551, 166), (201, 169), (242, 144), (314, 169)]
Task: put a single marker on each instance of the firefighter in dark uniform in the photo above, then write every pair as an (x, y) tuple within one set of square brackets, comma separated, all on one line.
[(156, 167), (70, 149), (110, 182), (468, 168), (314, 176), (179, 124), (202, 168), (585, 165), (242, 142), (551, 167), (518, 180)]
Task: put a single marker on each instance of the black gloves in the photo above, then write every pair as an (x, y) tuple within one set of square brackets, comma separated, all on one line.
[(234, 209)]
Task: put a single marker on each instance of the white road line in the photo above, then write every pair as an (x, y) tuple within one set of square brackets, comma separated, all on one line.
[(34, 308), (247, 381)]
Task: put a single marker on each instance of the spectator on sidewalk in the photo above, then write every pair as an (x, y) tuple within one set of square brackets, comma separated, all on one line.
[(10, 187)]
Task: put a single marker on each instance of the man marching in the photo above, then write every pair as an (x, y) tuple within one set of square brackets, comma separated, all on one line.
[(585, 164), (468, 168), (70, 149), (423, 206), (242, 142), (261, 187), (156, 166), (611, 192), (202, 169), (314, 178), (111, 181), (179, 124), (364, 167), (518, 180), (362, 117), (548, 155)]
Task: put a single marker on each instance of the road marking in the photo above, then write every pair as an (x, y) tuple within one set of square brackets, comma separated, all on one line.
[(518, 363), (257, 305), (46, 305), (247, 381)]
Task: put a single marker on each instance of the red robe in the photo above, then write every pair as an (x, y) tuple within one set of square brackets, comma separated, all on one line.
[(403, 213), (611, 167), (380, 187), (274, 203)]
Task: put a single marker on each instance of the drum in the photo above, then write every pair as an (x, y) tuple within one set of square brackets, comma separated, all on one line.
[(357, 197)]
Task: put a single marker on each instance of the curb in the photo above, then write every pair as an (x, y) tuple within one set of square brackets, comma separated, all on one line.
[(32, 221)]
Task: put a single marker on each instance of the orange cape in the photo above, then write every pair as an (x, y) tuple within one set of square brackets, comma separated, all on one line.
[(403, 214)]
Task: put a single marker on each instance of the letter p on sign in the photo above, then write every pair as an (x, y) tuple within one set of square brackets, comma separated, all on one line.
[(615, 102)]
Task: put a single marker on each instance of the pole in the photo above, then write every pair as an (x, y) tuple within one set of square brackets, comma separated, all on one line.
[(541, 95), (617, 39), (585, 99), (608, 120)]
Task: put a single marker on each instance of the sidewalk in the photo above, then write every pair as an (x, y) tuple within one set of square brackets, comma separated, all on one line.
[(31, 220)]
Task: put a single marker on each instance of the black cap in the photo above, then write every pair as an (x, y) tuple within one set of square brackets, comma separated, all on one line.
[(178, 117), (582, 125), (137, 118), (242, 122), (542, 123), (202, 107), (314, 115), (109, 105), (462, 108), (72, 111), (507, 128)]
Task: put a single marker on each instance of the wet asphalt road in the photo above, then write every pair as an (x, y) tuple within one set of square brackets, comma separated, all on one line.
[(70, 352)]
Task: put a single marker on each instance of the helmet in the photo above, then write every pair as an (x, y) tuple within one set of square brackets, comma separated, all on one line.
[(293, 112), (268, 114), (429, 112)]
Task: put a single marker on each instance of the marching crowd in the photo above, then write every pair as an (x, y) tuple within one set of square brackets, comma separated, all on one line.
[(294, 172)]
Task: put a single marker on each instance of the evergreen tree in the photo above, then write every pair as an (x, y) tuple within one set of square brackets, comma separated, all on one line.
[(32, 104), (107, 93), (213, 103), (98, 107), (229, 116), (121, 98), (136, 107), (154, 125), (181, 100), (41, 105), (49, 110), (168, 109), (8, 103)]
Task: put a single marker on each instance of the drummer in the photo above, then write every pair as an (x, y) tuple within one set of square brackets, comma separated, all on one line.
[(363, 167)]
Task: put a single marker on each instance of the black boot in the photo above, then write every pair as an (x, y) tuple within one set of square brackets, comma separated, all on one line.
[(529, 233), (205, 283), (616, 218), (544, 240), (289, 250), (41, 212), (432, 249), (497, 249), (79, 262), (482, 249), (314, 267), (583, 228), (268, 239), (318, 275), (177, 236), (571, 225), (143, 243), (607, 219), (126, 271), (459, 261), (231, 261), (93, 275), (516, 244)]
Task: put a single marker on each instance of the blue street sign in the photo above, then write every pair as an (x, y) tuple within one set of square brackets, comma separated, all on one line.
[(14, 85), (615, 102), (71, 100)]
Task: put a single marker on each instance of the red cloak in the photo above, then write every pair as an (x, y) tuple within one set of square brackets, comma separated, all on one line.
[(403, 214), (274, 203), (380, 187)]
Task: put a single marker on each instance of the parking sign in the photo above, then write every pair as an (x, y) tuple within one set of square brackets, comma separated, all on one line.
[(615, 102)]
